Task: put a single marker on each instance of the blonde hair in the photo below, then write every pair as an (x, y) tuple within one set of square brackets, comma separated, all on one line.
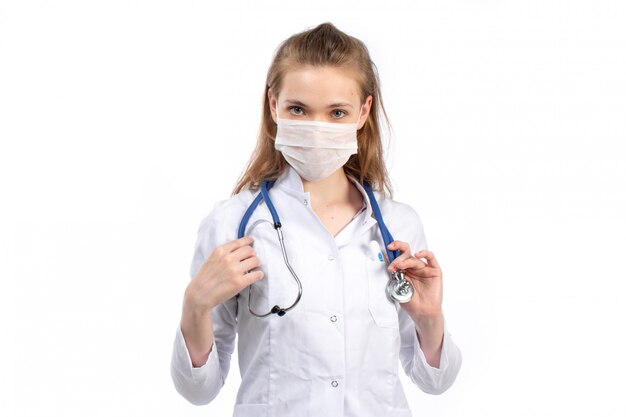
[(324, 45)]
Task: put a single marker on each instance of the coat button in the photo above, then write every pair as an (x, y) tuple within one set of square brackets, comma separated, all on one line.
[(334, 384), (333, 318), (305, 201), (331, 258)]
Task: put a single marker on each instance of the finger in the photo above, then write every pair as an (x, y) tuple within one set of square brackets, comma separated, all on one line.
[(237, 243), (399, 245), (398, 263), (243, 253), (249, 264), (411, 262), (253, 276), (430, 257), (405, 253)]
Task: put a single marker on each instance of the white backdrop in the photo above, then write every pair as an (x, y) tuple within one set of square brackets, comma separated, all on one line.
[(123, 122)]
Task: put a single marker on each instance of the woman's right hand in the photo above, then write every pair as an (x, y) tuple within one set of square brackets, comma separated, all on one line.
[(223, 274)]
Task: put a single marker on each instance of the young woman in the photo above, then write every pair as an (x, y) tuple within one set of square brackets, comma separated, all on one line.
[(305, 279)]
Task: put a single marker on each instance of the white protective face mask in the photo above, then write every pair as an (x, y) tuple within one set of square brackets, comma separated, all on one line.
[(316, 149)]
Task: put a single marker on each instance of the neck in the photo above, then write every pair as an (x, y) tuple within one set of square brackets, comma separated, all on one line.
[(334, 189)]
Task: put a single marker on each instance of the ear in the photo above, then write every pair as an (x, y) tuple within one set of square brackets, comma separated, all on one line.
[(365, 112), (272, 101)]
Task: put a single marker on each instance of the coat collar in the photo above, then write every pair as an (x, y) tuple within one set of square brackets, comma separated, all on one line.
[(291, 183)]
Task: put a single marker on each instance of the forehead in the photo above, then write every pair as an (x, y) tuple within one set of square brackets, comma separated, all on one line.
[(320, 85)]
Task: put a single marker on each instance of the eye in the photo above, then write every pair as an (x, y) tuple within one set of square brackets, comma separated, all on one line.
[(338, 114), (295, 110)]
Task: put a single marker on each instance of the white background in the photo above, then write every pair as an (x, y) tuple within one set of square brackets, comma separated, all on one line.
[(122, 123)]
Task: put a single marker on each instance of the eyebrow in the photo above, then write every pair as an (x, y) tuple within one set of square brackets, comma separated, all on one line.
[(301, 104)]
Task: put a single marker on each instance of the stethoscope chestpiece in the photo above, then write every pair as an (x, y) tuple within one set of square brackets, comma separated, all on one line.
[(399, 288)]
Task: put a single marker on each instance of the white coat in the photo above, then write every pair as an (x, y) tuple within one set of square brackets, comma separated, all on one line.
[(336, 353)]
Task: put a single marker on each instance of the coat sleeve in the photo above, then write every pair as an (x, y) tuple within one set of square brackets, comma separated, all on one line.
[(200, 385), (429, 379)]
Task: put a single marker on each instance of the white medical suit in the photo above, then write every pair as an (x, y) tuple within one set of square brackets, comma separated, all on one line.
[(337, 353)]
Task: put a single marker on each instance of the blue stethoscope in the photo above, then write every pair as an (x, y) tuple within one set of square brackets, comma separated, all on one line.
[(399, 288)]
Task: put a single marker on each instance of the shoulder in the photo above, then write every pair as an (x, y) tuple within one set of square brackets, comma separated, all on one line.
[(226, 214), (397, 210), (403, 221)]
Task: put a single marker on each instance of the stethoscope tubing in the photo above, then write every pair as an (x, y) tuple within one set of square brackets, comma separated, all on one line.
[(264, 195), (399, 285)]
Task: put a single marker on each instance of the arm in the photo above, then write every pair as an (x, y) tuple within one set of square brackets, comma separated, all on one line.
[(430, 336), (205, 338), (428, 354), (203, 347), (197, 329), (437, 373)]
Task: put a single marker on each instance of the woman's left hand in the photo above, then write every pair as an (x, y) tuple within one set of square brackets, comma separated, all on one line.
[(426, 277)]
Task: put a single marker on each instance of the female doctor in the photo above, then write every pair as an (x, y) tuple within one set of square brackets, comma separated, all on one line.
[(304, 280)]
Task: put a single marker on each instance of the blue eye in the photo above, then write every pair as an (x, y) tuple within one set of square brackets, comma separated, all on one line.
[(293, 108)]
